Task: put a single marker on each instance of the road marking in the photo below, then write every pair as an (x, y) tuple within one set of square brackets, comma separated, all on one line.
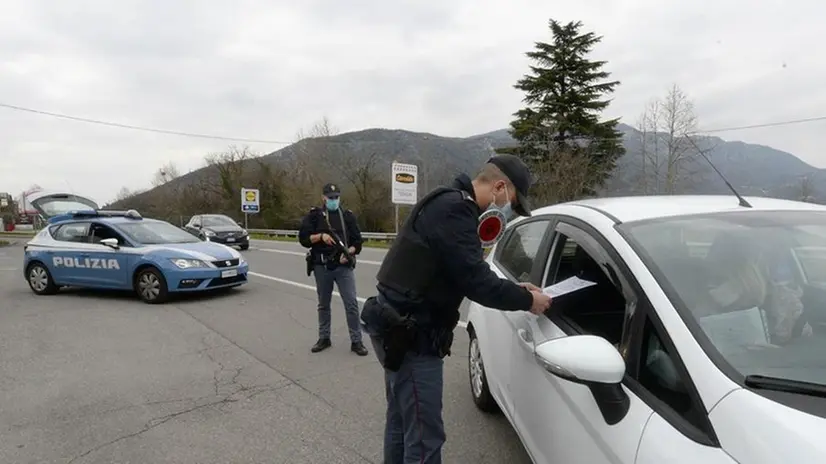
[(298, 253), (8, 269), (462, 324)]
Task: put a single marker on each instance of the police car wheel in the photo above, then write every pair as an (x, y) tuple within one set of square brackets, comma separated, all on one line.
[(40, 280), (150, 285), (478, 380)]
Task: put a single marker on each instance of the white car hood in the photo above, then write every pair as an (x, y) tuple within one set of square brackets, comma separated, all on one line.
[(756, 430)]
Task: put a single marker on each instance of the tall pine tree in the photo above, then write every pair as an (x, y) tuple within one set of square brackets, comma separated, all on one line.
[(559, 131)]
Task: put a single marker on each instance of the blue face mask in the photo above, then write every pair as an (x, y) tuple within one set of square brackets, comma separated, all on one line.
[(332, 203)]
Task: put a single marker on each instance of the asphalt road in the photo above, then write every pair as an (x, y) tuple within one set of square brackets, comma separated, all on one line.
[(88, 377)]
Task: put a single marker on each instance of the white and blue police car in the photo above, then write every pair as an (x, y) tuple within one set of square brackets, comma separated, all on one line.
[(120, 250)]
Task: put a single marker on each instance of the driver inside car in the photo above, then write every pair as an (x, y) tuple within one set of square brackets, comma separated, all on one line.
[(752, 276)]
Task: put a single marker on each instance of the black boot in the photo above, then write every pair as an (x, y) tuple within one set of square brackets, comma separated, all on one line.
[(358, 348), (321, 344)]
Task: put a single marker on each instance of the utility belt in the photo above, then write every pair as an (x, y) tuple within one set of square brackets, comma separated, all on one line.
[(400, 334), (330, 261)]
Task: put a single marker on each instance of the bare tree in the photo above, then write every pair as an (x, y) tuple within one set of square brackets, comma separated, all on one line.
[(124, 193), (165, 173), (562, 178), (669, 159), (806, 190)]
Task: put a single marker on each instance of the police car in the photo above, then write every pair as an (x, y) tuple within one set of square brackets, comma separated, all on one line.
[(121, 250), (685, 329)]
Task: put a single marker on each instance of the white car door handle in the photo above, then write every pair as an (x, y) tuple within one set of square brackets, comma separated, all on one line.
[(525, 339)]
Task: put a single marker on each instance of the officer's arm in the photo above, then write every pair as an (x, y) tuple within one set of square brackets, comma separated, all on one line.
[(455, 239), (306, 237), (354, 233)]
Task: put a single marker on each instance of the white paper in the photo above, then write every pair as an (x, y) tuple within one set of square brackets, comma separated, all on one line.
[(569, 285), (736, 329)]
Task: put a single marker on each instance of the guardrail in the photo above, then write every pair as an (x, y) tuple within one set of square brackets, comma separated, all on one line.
[(378, 236)]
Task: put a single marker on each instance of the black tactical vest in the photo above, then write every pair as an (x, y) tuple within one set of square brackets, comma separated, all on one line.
[(411, 270)]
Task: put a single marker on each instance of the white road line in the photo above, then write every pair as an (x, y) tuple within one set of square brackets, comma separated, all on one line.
[(462, 324), (8, 269), (298, 253)]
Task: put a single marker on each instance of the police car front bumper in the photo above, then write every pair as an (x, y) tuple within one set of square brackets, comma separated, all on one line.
[(201, 279)]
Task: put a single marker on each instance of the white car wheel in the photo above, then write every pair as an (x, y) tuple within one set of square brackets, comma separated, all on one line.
[(478, 380)]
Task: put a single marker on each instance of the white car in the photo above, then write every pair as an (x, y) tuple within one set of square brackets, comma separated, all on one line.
[(703, 340)]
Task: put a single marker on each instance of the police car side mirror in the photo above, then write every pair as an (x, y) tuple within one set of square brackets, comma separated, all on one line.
[(110, 242)]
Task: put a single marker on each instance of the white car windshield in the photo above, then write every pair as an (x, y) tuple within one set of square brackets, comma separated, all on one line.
[(156, 233), (753, 282), (210, 221)]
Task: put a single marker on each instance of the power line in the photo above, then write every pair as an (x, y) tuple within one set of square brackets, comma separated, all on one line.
[(147, 129), (280, 142)]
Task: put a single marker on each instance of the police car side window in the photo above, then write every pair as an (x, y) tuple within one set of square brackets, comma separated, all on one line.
[(76, 233), (518, 252)]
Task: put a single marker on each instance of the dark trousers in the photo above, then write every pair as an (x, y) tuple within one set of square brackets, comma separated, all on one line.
[(343, 277), (413, 432)]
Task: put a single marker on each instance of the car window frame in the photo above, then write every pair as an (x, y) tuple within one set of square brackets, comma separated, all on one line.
[(54, 232), (122, 240), (632, 338), (509, 234)]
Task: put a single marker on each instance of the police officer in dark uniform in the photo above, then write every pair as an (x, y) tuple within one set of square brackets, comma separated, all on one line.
[(320, 229), (435, 262)]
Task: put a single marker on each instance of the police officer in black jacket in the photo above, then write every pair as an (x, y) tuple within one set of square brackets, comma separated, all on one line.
[(435, 262), (331, 265)]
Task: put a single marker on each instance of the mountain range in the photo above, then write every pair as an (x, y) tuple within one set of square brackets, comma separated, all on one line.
[(752, 169)]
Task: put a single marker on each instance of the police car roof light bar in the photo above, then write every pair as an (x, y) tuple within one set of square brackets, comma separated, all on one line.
[(131, 214)]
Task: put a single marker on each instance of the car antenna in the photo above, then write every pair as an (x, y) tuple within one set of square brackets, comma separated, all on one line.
[(742, 200)]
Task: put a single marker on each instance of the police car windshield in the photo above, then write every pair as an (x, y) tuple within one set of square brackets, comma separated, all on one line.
[(217, 221), (156, 233), (754, 282)]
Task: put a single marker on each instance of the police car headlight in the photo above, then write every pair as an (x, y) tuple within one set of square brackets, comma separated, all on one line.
[(188, 263)]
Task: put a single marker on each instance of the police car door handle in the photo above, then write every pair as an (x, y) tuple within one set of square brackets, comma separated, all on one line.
[(525, 339)]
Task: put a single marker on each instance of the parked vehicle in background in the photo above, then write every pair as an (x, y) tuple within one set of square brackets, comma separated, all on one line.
[(123, 251), (218, 228)]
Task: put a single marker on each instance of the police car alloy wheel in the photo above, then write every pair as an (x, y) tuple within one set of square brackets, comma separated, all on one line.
[(478, 382), (151, 286), (40, 280)]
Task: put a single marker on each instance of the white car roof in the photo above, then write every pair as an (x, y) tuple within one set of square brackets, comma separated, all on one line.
[(634, 208)]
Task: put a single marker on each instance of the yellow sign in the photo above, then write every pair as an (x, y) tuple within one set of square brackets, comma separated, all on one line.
[(405, 178), (250, 196)]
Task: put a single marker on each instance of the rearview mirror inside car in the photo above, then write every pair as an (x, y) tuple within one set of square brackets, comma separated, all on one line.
[(110, 242), (584, 359)]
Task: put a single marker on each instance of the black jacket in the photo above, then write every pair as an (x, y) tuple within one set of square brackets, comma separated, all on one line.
[(314, 223), (449, 224)]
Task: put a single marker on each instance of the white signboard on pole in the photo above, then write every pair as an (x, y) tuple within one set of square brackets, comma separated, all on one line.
[(405, 180), (250, 201)]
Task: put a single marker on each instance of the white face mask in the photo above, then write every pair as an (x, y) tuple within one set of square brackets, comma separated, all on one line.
[(505, 209)]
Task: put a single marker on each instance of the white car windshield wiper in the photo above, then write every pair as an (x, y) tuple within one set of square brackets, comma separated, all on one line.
[(786, 385)]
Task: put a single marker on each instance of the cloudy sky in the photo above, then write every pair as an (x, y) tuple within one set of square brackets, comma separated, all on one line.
[(264, 69)]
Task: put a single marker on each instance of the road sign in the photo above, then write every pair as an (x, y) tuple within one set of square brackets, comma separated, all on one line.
[(405, 180), (250, 201)]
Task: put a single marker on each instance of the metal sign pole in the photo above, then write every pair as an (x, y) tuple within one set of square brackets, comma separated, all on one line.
[(397, 219), (246, 220)]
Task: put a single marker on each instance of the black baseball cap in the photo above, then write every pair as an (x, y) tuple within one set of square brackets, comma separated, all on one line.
[(331, 191), (520, 176)]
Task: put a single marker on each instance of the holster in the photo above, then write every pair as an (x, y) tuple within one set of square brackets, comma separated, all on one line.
[(310, 263), (398, 333), (442, 340)]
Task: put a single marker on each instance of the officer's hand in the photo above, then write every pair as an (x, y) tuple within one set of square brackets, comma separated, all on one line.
[(530, 286), (342, 259), (328, 239), (541, 302)]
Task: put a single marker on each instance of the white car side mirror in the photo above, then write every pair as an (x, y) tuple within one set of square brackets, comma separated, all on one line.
[(584, 359), (110, 242)]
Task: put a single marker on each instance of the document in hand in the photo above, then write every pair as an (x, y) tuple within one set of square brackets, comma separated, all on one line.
[(567, 286)]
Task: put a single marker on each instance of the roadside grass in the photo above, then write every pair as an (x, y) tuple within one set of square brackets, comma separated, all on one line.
[(4, 243)]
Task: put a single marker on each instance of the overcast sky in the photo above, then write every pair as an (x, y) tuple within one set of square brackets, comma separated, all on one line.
[(264, 69)]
